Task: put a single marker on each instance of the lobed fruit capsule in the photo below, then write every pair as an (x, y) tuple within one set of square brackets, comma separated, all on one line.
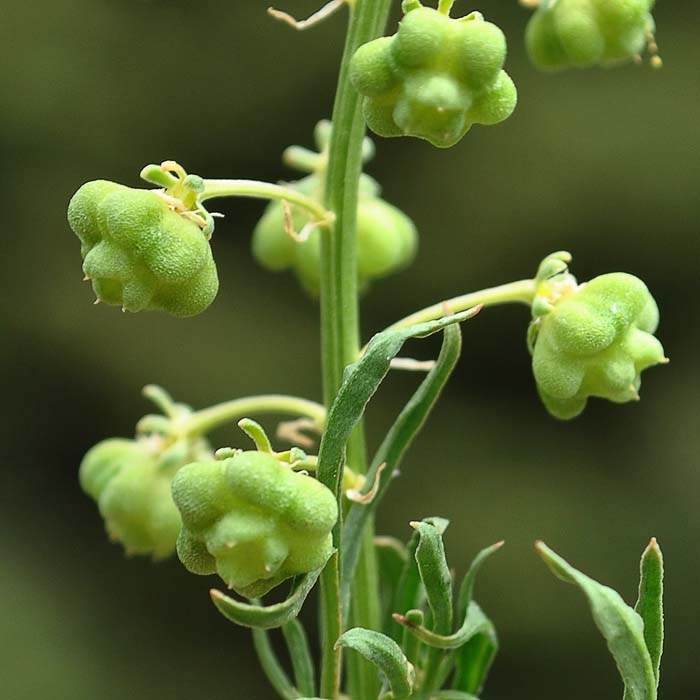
[(435, 78), (253, 520), (386, 237), (582, 33), (132, 491), (139, 253), (595, 341)]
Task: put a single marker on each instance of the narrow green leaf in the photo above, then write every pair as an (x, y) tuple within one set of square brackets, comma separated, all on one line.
[(473, 660), (437, 582), (271, 667), (408, 589), (270, 616), (395, 445), (360, 382), (620, 625), (466, 590), (434, 571), (391, 559), (474, 623), (392, 554), (386, 655), (300, 654), (650, 604)]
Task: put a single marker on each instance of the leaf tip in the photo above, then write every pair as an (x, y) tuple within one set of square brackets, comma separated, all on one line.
[(653, 548)]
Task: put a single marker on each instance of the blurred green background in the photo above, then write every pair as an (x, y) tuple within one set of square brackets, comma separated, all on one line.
[(603, 163)]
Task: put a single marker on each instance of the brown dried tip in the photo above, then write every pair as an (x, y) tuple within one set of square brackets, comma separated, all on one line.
[(365, 498), (402, 620), (326, 11)]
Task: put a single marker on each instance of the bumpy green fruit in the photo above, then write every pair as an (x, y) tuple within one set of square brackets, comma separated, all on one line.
[(386, 237), (435, 78), (252, 520), (132, 489), (596, 341), (582, 33), (140, 254)]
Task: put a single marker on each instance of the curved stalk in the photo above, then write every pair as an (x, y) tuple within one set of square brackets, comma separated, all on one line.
[(522, 291), (265, 190), (201, 422)]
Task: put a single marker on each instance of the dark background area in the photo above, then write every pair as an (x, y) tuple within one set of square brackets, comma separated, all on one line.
[(605, 163)]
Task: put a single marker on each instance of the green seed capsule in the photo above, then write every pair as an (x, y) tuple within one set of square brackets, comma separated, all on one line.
[(434, 78), (585, 33), (252, 520), (595, 341), (386, 237), (132, 490), (140, 254)]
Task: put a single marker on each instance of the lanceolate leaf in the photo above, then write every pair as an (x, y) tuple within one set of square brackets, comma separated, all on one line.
[(270, 616), (271, 666), (650, 604), (386, 655), (360, 382), (475, 622), (408, 589), (391, 559), (396, 443), (467, 588), (621, 626), (300, 654), (473, 660), (437, 583), (434, 572)]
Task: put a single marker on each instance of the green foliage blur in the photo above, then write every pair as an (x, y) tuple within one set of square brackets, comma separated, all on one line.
[(605, 163)]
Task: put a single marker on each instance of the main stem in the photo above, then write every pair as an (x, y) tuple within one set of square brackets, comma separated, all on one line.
[(340, 333)]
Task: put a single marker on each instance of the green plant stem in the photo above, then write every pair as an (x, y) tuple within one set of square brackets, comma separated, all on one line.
[(340, 333), (522, 291), (265, 190), (201, 422)]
